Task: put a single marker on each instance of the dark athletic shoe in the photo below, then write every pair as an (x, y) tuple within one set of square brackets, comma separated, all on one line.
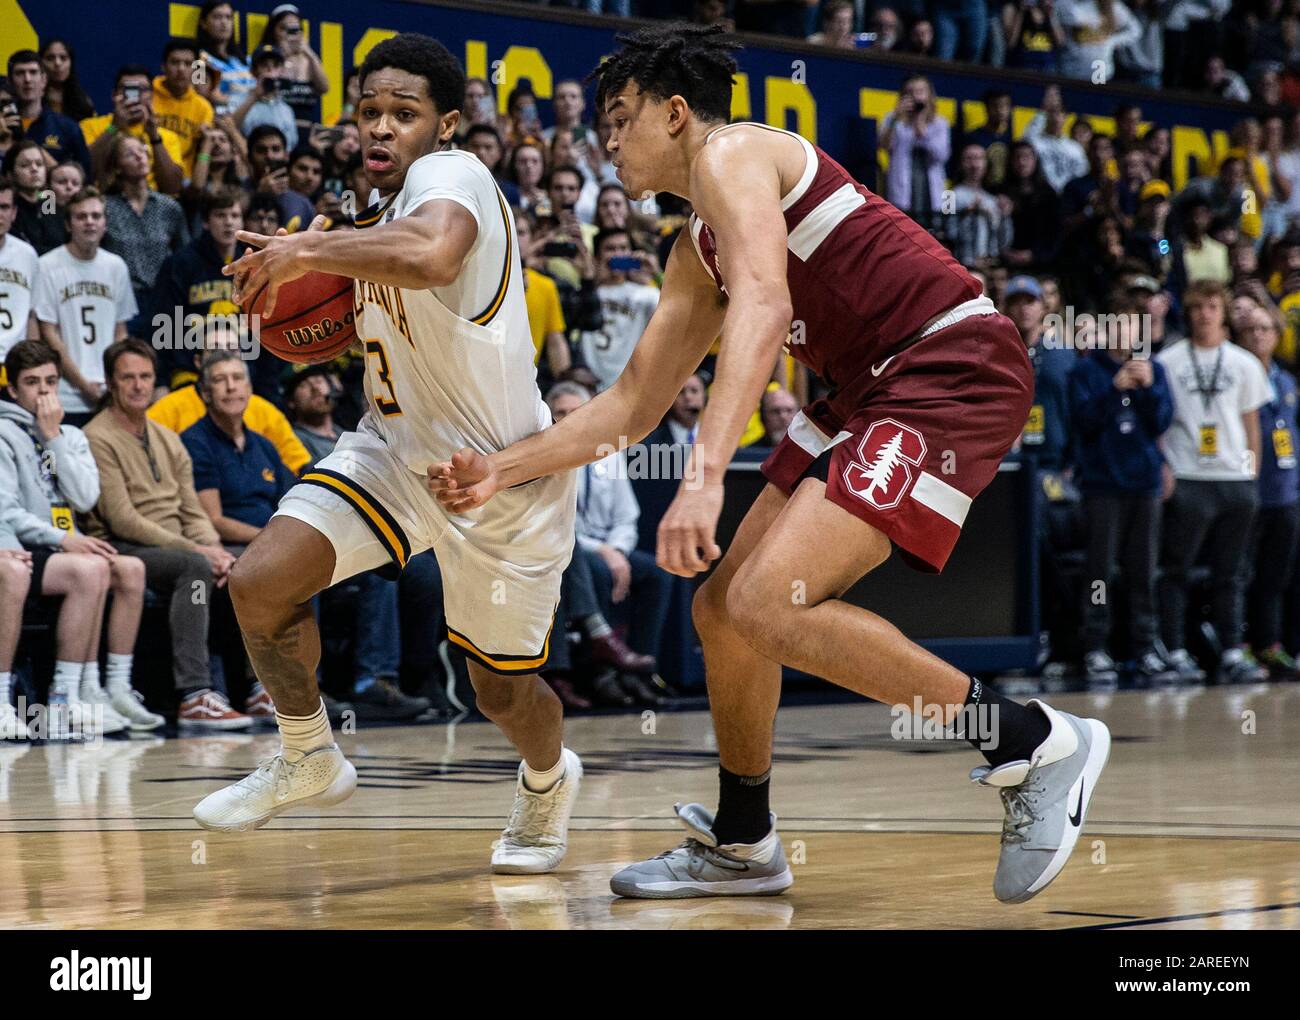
[(383, 702)]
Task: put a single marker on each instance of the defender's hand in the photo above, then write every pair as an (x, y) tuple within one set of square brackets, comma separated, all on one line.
[(685, 544), (464, 483)]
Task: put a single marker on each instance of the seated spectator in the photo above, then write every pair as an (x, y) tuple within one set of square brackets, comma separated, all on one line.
[(63, 91), (993, 136), (1147, 240), (1034, 36), (190, 281), (917, 140), (227, 79), (480, 109), (36, 219), (1120, 406), (144, 227), (264, 106), (681, 423), (1094, 30), (184, 406), (83, 301), (57, 134), (545, 313), (148, 508), (66, 180), (1276, 537), (777, 409), (484, 141), (310, 394), (220, 165), (981, 231), (1060, 156), (566, 154), (47, 477), (886, 26), (177, 106), (528, 167), (268, 160), (627, 301), (607, 526), (1220, 80), (837, 26), (1198, 255), (569, 105), (15, 586), (1142, 61), (18, 269), (1213, 449), (523, 124), (1034, 209), (133, 116), (306, 173), (920, 38), (304, 74)]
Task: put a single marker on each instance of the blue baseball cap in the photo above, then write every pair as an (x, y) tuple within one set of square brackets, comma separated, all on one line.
[(1023, 285)]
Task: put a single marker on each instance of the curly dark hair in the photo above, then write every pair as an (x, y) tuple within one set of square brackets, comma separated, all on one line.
[(677, 59), (429, 59)]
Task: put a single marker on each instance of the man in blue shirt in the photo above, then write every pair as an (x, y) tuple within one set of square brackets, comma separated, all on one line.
[(58, 135), (1277, 525), (1120, 404)]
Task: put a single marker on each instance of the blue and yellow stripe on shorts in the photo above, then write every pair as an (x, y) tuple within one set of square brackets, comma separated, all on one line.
[(377, 518), (504, 665)]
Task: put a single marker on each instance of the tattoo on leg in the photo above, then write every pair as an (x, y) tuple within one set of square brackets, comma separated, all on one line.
[(286, 661)]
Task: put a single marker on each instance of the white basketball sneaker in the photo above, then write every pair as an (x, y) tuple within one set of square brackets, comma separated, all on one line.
[(320, 778), (129, 704), (96, 704), (535, 839)]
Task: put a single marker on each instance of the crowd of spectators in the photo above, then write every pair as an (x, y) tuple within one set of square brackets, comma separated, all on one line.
[(1154, 464)]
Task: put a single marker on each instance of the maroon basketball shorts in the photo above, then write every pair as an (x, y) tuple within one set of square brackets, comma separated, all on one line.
[(909, 444)]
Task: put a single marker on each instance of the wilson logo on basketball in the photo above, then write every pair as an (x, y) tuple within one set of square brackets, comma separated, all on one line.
[(883, 469), (305, 336)]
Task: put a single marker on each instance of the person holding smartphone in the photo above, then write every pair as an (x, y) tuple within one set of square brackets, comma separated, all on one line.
[(265, 105), (133, 115), (918, 141), (305, 77), (627, 297)]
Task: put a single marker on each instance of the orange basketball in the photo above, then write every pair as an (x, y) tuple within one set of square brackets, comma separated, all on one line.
[(313, 321)]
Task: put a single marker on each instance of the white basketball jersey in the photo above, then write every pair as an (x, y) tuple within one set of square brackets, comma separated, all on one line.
[(450, 367), (17, 281)]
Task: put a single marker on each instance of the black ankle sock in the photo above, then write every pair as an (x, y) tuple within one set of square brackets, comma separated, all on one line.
[(743, 815), (1018, 729)]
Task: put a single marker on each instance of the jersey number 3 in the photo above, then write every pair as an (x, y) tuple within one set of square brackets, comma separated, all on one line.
[(388, 407)]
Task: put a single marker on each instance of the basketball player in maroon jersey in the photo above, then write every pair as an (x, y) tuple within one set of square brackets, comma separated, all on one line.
[(930, 387)]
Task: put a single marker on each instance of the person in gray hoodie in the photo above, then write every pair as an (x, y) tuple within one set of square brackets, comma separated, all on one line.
[(48, 476)]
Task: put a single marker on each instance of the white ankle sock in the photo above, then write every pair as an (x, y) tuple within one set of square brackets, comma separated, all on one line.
[(67, 678), (89, 678), (118, 673), (300, 735), (540, 782)]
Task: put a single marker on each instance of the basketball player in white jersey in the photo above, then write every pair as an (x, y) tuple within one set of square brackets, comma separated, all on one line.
[(18, 268), (440, 311), (83, 301)]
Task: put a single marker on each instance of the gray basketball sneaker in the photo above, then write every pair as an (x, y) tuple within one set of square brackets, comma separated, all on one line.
[(1046, 801), (700, 867)]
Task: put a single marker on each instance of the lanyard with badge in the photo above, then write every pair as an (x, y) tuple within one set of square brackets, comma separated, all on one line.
[(1035, 431), (1283, 442), (60, 512), (1207, 449)]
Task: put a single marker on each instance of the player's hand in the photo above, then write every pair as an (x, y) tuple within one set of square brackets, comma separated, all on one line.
[(620, 572), (49, 415), (76, 543), (686, 543), (273, 261), (464, 483)]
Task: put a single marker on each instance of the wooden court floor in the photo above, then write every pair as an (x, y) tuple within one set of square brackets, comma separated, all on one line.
[(1196, 824)]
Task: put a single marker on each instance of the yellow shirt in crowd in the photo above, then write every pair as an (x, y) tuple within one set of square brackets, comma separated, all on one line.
[(185, 117), (93, 127), (544, 313), (181, 408)]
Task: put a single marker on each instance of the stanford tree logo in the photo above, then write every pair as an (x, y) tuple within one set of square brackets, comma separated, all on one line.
[(883, 469)]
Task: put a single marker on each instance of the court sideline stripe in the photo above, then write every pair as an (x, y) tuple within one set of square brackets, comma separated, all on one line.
[(1187, 917)]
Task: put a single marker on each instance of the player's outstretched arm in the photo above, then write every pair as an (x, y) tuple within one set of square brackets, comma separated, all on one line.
[(684, 324), (415, 252)]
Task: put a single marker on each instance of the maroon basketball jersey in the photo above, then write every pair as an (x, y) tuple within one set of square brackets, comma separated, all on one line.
[(863, 277)]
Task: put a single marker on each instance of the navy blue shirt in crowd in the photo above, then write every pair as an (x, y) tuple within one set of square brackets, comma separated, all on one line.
[(60, 136), (1117, 443), (1046, 437), (250, 481), (1279, 479)]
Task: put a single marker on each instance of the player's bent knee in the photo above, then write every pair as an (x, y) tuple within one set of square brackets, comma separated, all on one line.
[(709, 606), (497, 697)]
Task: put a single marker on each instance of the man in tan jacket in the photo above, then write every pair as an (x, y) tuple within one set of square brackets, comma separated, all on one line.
[(149, 509)]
